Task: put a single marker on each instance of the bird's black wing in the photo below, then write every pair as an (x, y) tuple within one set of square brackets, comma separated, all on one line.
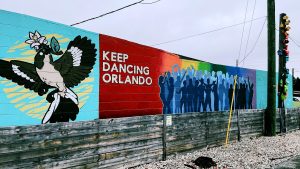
[(77, 61), (24, 74)]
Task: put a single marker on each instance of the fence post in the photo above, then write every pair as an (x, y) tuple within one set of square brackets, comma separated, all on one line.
[(285, 122), (282, 116), (298, 117), (164, 135), (206, 129), (281, 120), (238, 125)]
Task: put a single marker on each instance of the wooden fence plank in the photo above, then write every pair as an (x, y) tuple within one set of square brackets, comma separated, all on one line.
[(126, 142)]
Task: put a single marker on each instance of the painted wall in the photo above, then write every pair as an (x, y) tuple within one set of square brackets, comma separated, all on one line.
[(51, 72), (177, 84), (21, 106)]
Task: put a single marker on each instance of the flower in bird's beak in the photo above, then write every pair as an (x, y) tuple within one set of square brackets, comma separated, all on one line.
[(35, 40)]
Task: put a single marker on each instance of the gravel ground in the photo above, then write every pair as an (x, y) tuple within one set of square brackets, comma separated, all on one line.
[(262, 152)]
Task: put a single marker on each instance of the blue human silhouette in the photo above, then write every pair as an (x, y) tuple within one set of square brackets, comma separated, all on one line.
[(170, 83), (190, 91), (230, 95), (162, 94), (246, 95), (216, 95), (226, 97), (184, 96), (201, 89), (208, 89), (243, 96), (251, 86), (196, 97), (177, 73), (221, 94), (167, 76), (177, 95), (236, 95), (239, 100)]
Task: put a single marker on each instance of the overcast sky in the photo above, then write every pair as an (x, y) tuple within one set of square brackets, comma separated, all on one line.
[(166, 20)]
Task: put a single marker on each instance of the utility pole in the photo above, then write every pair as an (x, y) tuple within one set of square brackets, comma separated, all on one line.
[(270, 114)]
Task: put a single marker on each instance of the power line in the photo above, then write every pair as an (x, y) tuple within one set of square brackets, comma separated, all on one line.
[(108, 13), (146, 3), (262, 28), (249, 30), (203, 33), (245, 17), (294, 41)]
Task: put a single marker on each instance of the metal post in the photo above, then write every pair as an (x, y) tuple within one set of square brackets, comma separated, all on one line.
[(164, 138)]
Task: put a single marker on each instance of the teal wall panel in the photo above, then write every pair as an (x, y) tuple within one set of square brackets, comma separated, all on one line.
[(20, 106)]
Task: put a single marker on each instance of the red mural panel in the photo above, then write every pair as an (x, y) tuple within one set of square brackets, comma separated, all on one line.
[(129, 74)]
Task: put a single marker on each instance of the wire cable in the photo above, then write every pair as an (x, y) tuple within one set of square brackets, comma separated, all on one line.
[(294, 41), (203, 33), (107, 13), (249, 30), (243, 30), (262, 28), (146, 3)]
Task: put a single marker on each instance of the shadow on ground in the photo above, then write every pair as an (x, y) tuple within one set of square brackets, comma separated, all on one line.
[(292, 163)]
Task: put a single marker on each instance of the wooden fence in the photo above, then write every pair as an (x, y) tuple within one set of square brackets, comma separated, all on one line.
[(128, 142), (109, 143)]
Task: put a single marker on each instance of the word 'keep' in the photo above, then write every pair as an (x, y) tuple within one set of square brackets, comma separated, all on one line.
[(114, 56)]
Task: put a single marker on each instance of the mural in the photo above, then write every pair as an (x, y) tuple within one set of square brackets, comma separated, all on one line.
[(51, 72), (68, 71), (48, 72), (169, 83), (141, 80), (190, 90)]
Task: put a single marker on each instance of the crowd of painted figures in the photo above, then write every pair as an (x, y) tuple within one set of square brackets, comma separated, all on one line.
[(190, 90)]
